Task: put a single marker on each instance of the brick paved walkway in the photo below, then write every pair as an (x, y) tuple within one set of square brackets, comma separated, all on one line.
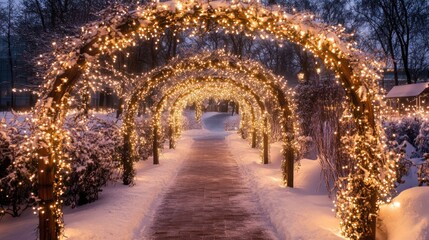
[(209, 199)]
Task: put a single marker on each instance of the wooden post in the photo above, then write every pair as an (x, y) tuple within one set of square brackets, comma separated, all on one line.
[(171, 140), (288, 151), (373, 218), (254, 138), (155, 145), (47, 225), (265, 140), (289, 165), (242, 120), (127, 162)]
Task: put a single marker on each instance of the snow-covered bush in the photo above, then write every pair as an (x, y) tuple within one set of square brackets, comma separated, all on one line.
[(408, 131), (404, 164), (15, 171), (94, 151), (399, 133), (423, 171), (189, 120), (144, 132), (405, 129), (422, 139)]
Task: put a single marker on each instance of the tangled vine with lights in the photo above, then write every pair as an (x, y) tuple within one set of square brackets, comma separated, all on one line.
[(368, 184)]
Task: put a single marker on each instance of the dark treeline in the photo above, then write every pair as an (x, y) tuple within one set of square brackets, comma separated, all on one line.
[(396, 31)]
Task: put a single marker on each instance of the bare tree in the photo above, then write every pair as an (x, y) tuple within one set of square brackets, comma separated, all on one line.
[(7, 27), (396, 24)]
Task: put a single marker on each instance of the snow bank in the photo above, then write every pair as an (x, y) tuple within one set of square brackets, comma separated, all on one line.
[(407, 216)]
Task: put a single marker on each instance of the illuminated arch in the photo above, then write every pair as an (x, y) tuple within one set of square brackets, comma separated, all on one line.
[(373, 178), (191, 86), (178, 94), (247, 112)]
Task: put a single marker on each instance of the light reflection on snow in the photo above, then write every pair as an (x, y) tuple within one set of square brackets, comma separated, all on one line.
[(396, 204)]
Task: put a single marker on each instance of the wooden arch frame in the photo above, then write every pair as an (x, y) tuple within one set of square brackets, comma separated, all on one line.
[(372, 180)]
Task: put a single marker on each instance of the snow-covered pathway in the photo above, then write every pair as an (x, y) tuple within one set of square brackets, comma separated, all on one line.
[(209, 199)]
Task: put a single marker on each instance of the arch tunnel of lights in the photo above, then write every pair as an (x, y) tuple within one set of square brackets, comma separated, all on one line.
[(215, 74)]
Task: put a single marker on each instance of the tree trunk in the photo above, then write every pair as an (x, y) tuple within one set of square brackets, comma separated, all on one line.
[(47, 224), (266, 142), (120, 108), (155, 145), (253, 138), (171, 133), (393, 56), (40, 13), (9, 53), (127, 162)]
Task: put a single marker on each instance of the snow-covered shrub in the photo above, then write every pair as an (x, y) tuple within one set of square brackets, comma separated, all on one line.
[(408, 131), (144, 132), (404, 164), (189, 121), (405, 129), (94, 152), (422, 139), (400, 133), (423, 171), (15, 171)]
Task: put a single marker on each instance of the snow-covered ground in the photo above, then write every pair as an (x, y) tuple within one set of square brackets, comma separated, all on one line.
[(304, 212), (121, 211), (407, 217)]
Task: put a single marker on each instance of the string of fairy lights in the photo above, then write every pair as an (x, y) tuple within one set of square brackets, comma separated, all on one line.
[(77, 58)]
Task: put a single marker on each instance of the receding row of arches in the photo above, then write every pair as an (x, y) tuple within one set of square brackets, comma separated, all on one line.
[(224, 69), (261, 95)]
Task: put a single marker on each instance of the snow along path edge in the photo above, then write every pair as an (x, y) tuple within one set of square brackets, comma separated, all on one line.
[(123, 211), (299, 213)]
